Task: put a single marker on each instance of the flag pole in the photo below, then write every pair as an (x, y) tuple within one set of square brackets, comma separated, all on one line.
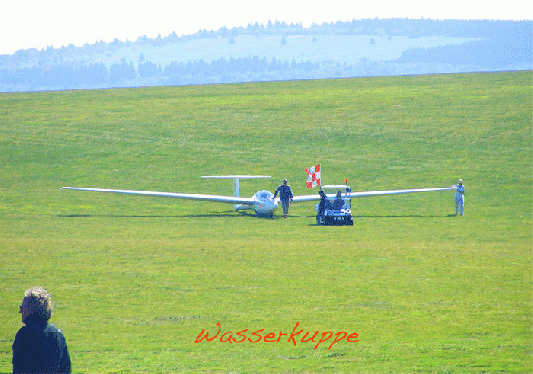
[(320, 170)]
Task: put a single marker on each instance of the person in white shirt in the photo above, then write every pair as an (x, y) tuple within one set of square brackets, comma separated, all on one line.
[(459, 197)]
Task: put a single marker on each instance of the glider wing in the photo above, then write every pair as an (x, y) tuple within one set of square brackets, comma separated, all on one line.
[(397, 192), (190, 196), (301, 198)]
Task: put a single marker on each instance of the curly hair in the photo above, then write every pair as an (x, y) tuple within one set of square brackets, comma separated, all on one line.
[(39, 303)]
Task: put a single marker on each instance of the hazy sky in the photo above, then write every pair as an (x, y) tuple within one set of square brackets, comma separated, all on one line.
[(41, 23)]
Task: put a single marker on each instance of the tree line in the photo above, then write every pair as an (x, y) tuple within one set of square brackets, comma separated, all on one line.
[(96, 74), (413, 28), (499, 44), (495, 53)]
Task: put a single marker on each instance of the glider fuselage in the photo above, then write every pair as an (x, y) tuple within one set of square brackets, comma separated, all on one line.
[(263, 204)]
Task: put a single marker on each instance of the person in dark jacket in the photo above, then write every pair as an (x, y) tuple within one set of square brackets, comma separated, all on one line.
[(285, 196), (339, 202), (322, 207), (39, 347), (324, 203)]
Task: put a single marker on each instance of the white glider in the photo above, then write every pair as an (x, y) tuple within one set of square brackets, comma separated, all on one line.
[(262, 202)]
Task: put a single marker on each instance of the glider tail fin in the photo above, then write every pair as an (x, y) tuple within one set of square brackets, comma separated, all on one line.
[(235, 180)]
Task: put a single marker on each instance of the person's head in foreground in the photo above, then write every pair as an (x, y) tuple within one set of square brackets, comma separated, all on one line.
[(36, 306)]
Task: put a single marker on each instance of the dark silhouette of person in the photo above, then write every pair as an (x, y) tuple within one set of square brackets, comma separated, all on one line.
[(39, 346), (285, 196), (339, 202), (324, 203)]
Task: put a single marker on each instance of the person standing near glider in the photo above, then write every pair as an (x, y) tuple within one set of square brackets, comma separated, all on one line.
[(285, 196), (459, 197)]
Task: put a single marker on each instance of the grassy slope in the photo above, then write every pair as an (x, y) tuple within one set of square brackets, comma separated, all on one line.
[(136, 279)]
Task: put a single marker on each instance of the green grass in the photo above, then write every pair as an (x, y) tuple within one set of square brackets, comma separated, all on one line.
[(135, 280)]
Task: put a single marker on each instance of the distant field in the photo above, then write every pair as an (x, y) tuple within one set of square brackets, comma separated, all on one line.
[(135, 280), (336, 48)]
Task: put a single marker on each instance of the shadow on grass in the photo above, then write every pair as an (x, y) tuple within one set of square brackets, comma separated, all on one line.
[(390, 216), (230, 214), (403, 216), (384, 216)]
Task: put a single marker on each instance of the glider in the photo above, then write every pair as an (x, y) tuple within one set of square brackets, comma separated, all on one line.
[(262, 202)]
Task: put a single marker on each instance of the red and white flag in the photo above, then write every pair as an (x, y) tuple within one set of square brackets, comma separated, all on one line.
[(313, 176)]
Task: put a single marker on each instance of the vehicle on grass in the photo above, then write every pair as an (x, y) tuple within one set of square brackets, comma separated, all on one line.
[(335, 209), (262, 202)]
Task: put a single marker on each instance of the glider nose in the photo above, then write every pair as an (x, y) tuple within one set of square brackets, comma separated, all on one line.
[(265, 203)]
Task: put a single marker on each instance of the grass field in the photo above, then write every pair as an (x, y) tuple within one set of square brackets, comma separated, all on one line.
[(135, 280)]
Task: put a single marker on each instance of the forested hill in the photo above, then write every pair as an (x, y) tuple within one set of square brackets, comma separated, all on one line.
[(277, 51)]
